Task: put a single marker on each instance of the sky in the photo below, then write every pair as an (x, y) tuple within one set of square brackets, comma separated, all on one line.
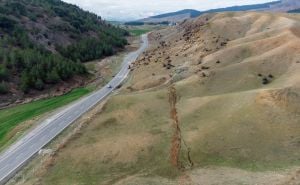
[(125, 10)]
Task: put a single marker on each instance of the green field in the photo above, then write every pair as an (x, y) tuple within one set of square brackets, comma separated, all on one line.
[(12, 117), (138, 32)]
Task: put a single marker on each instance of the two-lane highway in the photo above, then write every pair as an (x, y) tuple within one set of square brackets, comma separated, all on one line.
[(22, 151)]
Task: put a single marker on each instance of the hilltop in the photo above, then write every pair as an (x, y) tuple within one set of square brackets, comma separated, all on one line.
[(179, 16), (182, 15), (43, 45)]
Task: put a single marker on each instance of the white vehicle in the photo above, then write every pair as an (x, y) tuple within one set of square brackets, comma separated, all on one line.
[(109, 86)]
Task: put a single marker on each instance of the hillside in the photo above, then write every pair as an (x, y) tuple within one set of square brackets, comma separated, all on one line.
[(295, 11), (191, 13), (182, 15), (43, 43), (213, 101)]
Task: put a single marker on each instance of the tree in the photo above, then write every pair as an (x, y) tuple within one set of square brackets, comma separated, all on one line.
[(39, 84), (3, 72), (21, 51), (53, 76), (3, 88), (25, 82)]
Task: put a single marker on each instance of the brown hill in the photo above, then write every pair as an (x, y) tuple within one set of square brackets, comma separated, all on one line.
[(236, 76)]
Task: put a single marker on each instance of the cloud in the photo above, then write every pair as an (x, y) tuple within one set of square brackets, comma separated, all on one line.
[(135, 9)]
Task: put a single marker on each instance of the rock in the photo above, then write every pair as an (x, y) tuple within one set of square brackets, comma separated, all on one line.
[(44, 152)]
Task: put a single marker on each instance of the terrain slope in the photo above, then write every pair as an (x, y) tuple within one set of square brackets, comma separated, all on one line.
[(215, 100), (179, 16), (42, 45)]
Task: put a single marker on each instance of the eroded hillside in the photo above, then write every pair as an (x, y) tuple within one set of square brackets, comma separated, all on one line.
[(231, 117)]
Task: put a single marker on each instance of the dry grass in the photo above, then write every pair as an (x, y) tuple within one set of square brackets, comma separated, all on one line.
[(227, 116)]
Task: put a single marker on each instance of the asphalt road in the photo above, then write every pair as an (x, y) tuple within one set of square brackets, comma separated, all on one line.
[(15, 157)]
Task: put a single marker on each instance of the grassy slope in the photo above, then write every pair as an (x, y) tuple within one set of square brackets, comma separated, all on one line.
[(12, 117), (227, 119), (120, 143), (138, 32), (132, 137)]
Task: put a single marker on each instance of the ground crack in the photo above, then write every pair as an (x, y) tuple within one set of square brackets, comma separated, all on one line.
[(177, 139)]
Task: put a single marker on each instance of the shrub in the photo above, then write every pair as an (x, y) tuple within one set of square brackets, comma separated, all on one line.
[(265, 81)]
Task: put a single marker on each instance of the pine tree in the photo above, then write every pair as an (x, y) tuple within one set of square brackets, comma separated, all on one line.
[(3, 72), (25, 82), (3, 88), (39, 84), (53, 76)]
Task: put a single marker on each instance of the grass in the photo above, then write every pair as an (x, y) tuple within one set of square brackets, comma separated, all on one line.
[(124, 142), (222, 124), (12, 117), (138, 32), (132, 136), (111, 67)]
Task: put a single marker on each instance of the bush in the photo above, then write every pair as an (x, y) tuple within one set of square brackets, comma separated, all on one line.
[(265, 81), (7, 24)]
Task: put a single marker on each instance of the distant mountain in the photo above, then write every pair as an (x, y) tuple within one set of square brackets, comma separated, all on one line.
[(244, 7), (190, 13), (294, 11), (286, 6), (171, 17)]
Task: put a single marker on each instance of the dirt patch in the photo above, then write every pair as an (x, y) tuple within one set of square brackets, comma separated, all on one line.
[(286, 98), (292, 179)]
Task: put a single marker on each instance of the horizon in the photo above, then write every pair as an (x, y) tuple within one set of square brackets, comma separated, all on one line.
[(124, 10)]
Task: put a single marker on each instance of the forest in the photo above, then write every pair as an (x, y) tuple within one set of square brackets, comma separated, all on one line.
[(43, 42)]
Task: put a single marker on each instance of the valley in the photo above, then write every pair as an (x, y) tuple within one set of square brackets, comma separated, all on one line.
[(213, 100), (20, 152)]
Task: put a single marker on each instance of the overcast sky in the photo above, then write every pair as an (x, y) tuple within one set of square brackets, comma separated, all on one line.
[(136, 9)]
